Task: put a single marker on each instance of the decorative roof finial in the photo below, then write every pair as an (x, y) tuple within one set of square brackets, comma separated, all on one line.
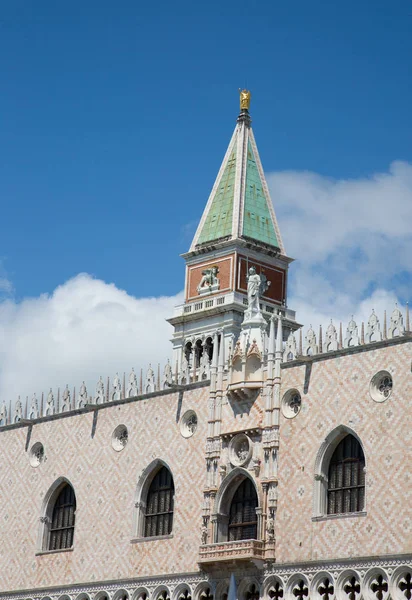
[(245, 96), (244, 116)]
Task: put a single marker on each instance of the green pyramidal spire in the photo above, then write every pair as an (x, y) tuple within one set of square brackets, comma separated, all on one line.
[(218, 222), (239, 205)]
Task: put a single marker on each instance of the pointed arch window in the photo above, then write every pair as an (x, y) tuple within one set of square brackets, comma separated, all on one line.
[(242, 514), (346, 478), (62, 520), (159, 505)]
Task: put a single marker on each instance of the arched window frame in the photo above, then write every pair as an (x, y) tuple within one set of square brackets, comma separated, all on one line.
[(142, 490), (46, 515), (224, 499), (321, 479)]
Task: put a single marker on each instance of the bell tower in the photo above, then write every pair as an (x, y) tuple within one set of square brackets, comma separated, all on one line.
[(238, 235)]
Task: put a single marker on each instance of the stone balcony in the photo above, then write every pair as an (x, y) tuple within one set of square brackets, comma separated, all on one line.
[(211, 555), (215, 301)]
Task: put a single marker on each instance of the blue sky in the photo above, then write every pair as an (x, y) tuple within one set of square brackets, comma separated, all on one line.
[(114, 121)]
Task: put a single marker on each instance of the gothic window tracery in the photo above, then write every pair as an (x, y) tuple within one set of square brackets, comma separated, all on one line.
[(346, 479), (159, 505), (276, 591), (63, 519), (206, 594), (352, 588), (242, 514), (252, 593)]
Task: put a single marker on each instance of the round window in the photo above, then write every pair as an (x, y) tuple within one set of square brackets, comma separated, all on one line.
[(291, 404), (240, 450), (120, 437), (36, 454), (381, 386), (188, 424)]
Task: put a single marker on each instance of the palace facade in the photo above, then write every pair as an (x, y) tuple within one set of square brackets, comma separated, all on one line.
[(277, 456)]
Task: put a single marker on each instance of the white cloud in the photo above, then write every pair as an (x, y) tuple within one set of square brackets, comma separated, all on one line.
[(319, 214), (85, 329), (352, 240)]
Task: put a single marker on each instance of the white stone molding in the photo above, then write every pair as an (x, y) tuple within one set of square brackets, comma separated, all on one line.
[(34, 408), (246, 585), (331, 338), (373, 330), (116, 388), (293, 583), (65, 405), (100, 396), (344, 578), (82, 596), (167, 376), (352, 335), (49, 409), (397, 578), (311, 346), (101, 595), (150, 382), (201, 590), (132, 388), (396, 327), (372, 578), (273, 582), (321, 474), (180, 590), (162, 592), (82, 398), (121, 594), (148, 588), (3, 414), (317, 582), (18, 411), (141, 593), (291, 350), (143, 484)]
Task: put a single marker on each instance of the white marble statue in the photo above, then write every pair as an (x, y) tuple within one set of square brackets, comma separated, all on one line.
[(257, 285)]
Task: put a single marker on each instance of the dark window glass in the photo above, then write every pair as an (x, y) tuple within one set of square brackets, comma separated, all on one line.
[(62, 524), (346, 482), (159, 505), (242, 515)]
